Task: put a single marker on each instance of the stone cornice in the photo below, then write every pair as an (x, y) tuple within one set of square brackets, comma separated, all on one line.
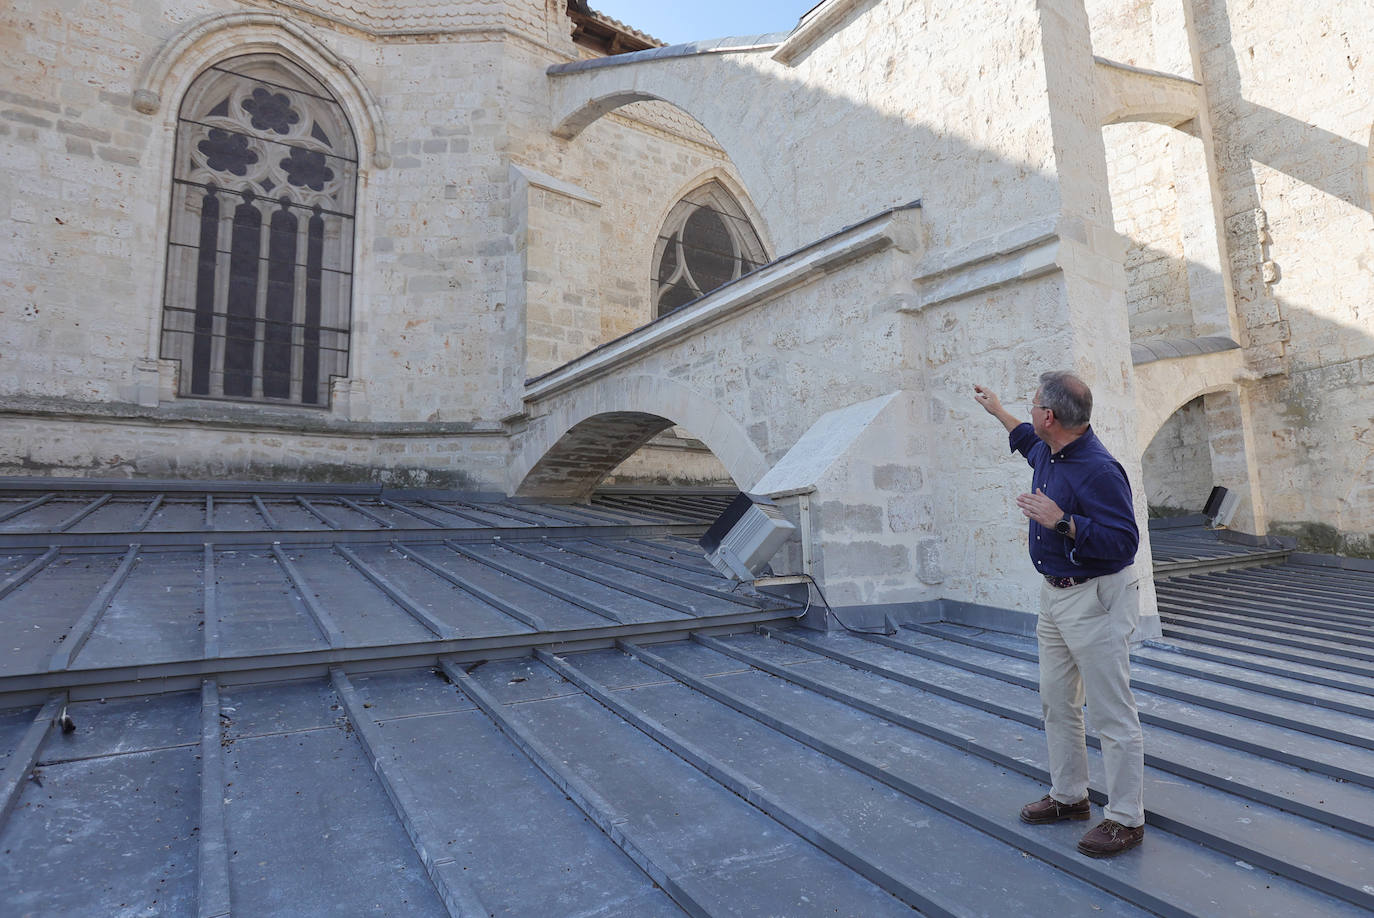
[(230, 416), (1021, 253), (537, 179)]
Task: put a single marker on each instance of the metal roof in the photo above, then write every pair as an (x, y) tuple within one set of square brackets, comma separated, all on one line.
[(657, 744)]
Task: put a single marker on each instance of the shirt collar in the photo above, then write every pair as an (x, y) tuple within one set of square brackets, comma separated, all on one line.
[(1077, 446)]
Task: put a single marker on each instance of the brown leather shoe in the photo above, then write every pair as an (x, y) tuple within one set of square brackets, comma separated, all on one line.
[(1110, 837), (1047, 809)]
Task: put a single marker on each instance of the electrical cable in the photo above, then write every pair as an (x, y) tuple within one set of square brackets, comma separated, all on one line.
[(885, 629)]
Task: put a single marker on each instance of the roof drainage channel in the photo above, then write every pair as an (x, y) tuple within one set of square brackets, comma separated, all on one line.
[(1165, 570), (1273, 603), (830, 839), (954, 784), (10, 540), (702, 842), (1352, 727), (1333, 646), (179, 675), (421, 733)]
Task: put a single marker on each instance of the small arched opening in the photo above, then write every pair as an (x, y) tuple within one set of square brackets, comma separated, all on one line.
[(707, 241)]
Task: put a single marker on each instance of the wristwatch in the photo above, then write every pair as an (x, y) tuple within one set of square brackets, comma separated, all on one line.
[(1062, 527)]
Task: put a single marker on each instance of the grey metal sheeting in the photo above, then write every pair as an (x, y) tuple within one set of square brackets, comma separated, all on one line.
[(178, 582), (682, 764)]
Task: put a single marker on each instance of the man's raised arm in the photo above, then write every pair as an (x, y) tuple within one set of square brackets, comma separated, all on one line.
[(993, 406)]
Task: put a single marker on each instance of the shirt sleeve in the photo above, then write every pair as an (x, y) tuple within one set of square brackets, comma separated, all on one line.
[(1023, 439), (1105, 519)]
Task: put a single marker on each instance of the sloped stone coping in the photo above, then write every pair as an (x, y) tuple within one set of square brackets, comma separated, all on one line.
[(735, 43), (1152, 349), (898, 226)]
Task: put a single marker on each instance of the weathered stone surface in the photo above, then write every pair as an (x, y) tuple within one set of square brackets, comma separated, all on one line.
[(493, 247)]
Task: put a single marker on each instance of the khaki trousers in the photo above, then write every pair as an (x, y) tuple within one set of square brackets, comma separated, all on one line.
[(1084, 636)]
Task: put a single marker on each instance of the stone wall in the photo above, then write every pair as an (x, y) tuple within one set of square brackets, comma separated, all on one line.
[(1145, 205), (1178, 464), (1293, 114), (460, 269), (490, 248), (589, 253), (135, 447), (673, 458)]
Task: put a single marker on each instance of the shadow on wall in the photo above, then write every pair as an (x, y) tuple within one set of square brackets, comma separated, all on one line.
[(1312, 425), (1296, 148), (1314, 458), (1305, 342), (929, 129)]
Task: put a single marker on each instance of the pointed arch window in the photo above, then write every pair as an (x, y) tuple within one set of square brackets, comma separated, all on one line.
[(260, 251), (706, 242)]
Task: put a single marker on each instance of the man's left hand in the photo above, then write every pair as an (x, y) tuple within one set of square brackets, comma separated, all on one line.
[(1040, 508)]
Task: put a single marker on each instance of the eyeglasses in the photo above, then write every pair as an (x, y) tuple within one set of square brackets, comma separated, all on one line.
[(1034, 406)]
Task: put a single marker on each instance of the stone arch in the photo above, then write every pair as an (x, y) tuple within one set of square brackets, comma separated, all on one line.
[(206, 41), (1130, 94), (567, 451), (693, 82), (577, 121), (1162, 387), (583, 91)]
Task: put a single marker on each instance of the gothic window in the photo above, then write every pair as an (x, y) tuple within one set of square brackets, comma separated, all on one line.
[(706, 242), (260, 251)]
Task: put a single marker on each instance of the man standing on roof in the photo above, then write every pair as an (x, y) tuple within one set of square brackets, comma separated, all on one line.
[(1083, 539)]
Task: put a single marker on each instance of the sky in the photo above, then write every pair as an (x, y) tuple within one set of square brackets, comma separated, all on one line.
[(694, 20)]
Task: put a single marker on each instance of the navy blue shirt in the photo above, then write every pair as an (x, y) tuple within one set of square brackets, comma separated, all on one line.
[(1091, 487)]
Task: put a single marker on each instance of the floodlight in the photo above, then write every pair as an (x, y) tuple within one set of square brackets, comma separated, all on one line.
[(1221, 506), (746, 536)]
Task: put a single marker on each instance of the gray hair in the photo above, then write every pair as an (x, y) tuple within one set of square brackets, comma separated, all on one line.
[(1068, 397)]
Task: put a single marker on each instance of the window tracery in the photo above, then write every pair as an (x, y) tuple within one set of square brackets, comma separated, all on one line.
[(706, 242), (260, 249)]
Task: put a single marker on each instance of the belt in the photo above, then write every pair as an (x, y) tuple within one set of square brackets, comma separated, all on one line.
[(1064, 583)]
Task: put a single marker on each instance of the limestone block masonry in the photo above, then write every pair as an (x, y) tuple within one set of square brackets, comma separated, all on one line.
[(1289, 120), (1089, 175), (462, 283)]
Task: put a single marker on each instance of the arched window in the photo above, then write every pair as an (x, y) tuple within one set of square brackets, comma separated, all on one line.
[(260, 251), (707, 241)]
